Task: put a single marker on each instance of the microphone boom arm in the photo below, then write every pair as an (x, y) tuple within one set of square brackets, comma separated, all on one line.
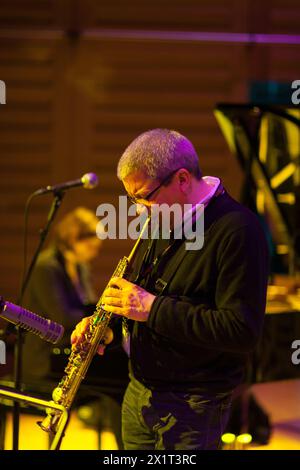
[(88, 181)]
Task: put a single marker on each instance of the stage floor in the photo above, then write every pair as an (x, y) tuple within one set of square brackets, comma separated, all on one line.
[(281, 400)]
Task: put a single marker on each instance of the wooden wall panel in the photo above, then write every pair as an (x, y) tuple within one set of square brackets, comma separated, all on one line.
[(27, 135), (284, 62), (284, 17), (35, 14), (165, 85), (156, 14)]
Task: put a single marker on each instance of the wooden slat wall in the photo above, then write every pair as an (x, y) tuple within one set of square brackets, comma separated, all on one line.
[(26, 142), (37, 14), (76, 99), (284, 17), (161, 14)]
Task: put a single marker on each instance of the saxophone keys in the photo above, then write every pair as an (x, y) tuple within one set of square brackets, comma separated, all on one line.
[(57, 394)]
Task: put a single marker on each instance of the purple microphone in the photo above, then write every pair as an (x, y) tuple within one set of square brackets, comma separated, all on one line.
[(43, 327)]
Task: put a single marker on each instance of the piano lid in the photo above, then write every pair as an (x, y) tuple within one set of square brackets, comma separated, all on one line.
[(266, 141)]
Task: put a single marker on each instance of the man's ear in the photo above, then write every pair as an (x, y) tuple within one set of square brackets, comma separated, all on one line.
[(184, 178)]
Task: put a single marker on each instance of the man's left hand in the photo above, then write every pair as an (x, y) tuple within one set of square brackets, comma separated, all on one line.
[(127, 299)]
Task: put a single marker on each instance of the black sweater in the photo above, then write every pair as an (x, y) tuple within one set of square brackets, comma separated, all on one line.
[(210, 316)]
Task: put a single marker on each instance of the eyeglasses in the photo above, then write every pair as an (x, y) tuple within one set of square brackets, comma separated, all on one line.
[(137, 200)]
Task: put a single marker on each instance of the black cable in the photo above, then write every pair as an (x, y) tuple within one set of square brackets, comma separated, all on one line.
[(25, 243)]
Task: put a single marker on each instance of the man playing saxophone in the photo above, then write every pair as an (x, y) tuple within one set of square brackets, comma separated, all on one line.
[(190, 332)]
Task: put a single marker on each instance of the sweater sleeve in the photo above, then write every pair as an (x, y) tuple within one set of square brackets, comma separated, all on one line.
[(235, 321)]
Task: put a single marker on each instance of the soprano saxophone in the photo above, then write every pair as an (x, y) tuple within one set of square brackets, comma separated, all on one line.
[(81, 357)]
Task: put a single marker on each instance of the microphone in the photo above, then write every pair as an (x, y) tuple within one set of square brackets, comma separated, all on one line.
[(46, 329), (88, 181)]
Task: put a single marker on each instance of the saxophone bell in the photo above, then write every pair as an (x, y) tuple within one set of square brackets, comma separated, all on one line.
[(50, 422)]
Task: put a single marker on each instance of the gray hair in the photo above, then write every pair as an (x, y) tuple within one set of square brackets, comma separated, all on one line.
[(158, 153)]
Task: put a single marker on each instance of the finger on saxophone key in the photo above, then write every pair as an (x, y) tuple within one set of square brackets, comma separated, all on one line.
[(107, 339), (81, 329), (101, 349)]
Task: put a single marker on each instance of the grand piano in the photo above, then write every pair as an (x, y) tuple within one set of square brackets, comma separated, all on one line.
[(265, 139)]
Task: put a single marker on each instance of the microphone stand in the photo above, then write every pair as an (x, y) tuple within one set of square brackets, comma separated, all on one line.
[(58, 196)]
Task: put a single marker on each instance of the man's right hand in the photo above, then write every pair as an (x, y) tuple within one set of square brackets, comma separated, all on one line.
[(78, 335)]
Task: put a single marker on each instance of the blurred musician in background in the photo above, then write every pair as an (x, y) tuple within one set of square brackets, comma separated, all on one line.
[(61, 289)]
